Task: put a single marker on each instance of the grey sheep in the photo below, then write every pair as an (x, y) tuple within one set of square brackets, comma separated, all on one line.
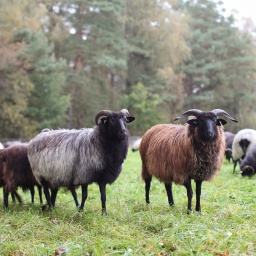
[(64, 158), (248, 164)]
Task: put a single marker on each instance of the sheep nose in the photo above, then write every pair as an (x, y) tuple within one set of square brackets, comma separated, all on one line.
[(209, 135)]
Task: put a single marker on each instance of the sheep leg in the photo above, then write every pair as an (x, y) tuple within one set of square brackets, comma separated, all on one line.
[(74, 194), (6, 195), (188, 186), (168, 188), (54, 193), (198, 194), (13, 197), (46, 194), (17, 196), (147, 189), (84, 196), (103, 197), (40, 193), (32, 192), (235, 163)]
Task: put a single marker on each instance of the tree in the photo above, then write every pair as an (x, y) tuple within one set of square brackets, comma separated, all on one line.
[(219, 72), (15, 84), (95, 49), (47, 105), (144, 105), (156, 33)]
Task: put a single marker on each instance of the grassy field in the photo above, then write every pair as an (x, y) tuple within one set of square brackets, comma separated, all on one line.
[(226, 225)]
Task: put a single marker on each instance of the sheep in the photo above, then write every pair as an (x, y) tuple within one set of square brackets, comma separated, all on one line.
[(71, 188), (136, 144), (242, 143), (229, 137), (15, 194), (64, 158), (17, 172), (179, 153), (1, 146), (11, 143), (248, 164)]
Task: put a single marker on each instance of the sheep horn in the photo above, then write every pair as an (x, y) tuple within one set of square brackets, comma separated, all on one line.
[(220, 112), (101, 114), (191, 112)]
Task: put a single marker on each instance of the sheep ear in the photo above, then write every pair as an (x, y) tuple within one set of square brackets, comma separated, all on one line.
[(130, 119), (192, 122), (221, 122)]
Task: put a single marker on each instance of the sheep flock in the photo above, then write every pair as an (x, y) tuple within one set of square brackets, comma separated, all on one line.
[(172, 153)]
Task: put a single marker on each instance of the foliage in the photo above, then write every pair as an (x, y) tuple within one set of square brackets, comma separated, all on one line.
[(156, 34), (92, 55), (144, 105), (47, 104), (221, 69), (224, 227)]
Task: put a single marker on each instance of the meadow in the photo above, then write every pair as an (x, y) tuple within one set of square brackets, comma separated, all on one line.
[(226, 225)]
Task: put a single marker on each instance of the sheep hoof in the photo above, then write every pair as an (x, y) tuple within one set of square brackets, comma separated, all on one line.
[(43, 207), (171, 204), (104, 212), (189, 211), (80, 209)]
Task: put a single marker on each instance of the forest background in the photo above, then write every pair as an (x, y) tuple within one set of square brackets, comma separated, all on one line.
[(63, 61)]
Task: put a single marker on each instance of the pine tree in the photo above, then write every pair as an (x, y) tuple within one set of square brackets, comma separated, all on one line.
[(219, 72)]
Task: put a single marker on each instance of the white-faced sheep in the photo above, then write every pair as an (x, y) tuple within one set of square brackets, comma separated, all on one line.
[(64, 158), (179, 153), (248, 164), (244, 140), (229, 137), (17, 172)]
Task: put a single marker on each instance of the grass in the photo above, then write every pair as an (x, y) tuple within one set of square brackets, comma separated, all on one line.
[(226, 225)]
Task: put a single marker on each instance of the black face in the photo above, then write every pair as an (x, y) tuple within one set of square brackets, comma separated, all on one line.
[(206, 125), (115, 125), (248, 171), (244, 143)]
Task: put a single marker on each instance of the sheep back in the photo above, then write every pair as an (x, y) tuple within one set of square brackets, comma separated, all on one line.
[(244, 134), (175, 153), (74, 157)]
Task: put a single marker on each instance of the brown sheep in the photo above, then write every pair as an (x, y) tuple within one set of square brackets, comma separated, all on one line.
[(179, 153), (17, 172)]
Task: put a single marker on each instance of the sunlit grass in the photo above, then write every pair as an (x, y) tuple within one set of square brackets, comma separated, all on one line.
[(226, 225)]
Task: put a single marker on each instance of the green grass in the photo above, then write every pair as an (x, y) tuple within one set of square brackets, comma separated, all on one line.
[(226, 225)]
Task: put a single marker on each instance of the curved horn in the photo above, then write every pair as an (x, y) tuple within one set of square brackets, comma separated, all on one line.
[(191, 112), (220, 112), (125, 112), (101, 114)]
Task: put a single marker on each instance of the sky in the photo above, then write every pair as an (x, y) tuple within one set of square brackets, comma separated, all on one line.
[(245, 8)]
